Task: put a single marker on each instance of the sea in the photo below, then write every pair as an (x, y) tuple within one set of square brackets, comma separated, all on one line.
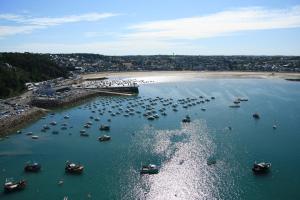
[(230, 137)]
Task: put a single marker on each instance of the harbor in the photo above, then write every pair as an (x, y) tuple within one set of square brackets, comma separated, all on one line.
[(51, 94), (132, 146)]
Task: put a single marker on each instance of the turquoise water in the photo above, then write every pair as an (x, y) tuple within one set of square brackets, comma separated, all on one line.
[(180, 150)]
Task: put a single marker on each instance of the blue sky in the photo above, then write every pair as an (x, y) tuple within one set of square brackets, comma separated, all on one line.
[(135, 27)]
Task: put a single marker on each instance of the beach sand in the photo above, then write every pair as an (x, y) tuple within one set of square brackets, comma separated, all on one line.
[(194, 74)]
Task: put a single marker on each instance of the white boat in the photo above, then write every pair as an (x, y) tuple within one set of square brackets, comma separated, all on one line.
[(35, 137)]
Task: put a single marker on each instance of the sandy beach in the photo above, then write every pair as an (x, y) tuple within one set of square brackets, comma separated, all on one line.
[(194, 74)]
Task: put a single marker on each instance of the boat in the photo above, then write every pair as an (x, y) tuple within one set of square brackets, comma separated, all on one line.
[(104, 128), (73, 168), (84, 134), (211, 161), (274, 126), (53, 123), (236, 101), (256, 116), (32, 167), (11, 186), (149, 169), (234, 106), (104, 138), (55, 132), (242, 99), (35, 137), (187, 119), (151, 118), (46, 127), (261, 167), (29, 133)]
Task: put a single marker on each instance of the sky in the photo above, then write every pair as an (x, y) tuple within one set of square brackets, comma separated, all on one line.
[(151, 27)]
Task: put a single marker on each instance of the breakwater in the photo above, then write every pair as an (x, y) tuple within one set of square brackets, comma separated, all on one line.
[(82, 94), (16, 122)]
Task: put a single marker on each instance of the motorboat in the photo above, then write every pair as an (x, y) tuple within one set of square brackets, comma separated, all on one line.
[(73, 168), (84, 134), (32, 167), (235, 106), (187, 119), (149, 169), (53, 123), (11, 186), (104, 138), (35, 137), (256, 116), (262, 167), (104, 128)]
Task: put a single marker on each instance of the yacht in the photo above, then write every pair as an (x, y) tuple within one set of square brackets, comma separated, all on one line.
[(149, 169)]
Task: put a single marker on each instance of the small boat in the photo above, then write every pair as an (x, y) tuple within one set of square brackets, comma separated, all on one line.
[(60, 182), (151, 118), (32, 167), (211, 161), (203, 109), (29, 133), (261, 167), (149, 169), (234, 106), (256, 116), (73, 168), (46, 127), (66, 117), (53, 123), (55, 132), (35, 137), (84, 134), (187, 119), (104, 128), (236, 101), (242, 99), (274, 126), (104, 138), (11, 186), (86, 126)]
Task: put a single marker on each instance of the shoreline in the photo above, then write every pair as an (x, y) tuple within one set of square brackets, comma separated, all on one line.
[(9, 126), (195, 74)]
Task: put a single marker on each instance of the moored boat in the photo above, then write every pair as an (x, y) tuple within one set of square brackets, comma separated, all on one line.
[(73, 168), (149, 169), (32, 167), (84, 134), (11, 186), (256, 116), (261, 167), (104, 128), (234, 106), (104, 138), (35, 137), (187, 119)]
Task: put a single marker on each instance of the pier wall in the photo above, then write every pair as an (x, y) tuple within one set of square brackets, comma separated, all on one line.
[(134, 90)]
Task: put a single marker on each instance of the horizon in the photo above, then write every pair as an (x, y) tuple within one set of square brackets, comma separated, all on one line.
[(216, 55), (133, 28)]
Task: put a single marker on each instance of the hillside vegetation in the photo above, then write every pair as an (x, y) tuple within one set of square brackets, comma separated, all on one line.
[(18, 68)]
